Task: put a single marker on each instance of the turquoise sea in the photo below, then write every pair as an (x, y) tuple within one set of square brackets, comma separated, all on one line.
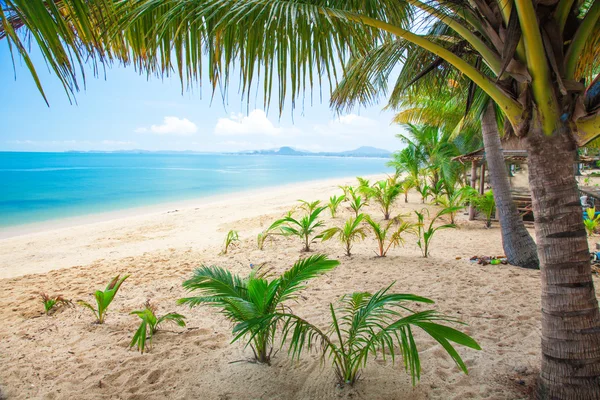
[(37, 187)]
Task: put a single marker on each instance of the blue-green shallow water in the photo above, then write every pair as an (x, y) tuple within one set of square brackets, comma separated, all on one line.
[(41, 186)]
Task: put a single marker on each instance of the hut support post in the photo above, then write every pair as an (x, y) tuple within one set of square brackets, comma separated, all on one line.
[(482, 179), (473, 183)]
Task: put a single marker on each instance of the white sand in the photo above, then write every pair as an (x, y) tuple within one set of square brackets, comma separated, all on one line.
[(65, 356)]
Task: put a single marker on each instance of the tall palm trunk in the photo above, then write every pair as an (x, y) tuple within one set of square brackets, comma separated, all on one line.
[(519, 247), (570, 315)]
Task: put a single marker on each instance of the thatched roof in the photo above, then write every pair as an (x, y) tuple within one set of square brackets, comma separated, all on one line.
[(511, 156)]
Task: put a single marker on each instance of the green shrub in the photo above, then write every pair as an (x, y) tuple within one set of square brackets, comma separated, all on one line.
[(255, 297), (151, 324), (104, 298), (385, 193)]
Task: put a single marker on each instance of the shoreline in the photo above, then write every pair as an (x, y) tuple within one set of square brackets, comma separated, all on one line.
[(61, 223), (183, 226)]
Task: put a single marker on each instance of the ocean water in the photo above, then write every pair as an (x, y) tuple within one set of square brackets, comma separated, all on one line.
[(38, 187)]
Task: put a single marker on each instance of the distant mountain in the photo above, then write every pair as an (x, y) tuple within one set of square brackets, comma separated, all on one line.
[(364, 151)]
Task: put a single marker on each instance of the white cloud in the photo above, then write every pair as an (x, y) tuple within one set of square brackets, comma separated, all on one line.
[(171, 126), (255, 123), (347, 126)]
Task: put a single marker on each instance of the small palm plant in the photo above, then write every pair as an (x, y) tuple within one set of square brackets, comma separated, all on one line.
[(255, 297), (273, 229), (357, 203), (406, 185), (424, 190), (346, 189), (334, 203), (591, 221), (363, 187), (309, 207), (395, 239), (350, 233), (457, 200), (52, 303), (151, 324), (104, 298), (230, 239), (425, 235), (304, 227), (485, 203), (385, 193), (366, 325)]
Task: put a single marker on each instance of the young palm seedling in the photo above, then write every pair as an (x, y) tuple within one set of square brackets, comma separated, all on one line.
[(364, 326), (350, 233), (457, 200), (385, 193), (230, 239), (424, 190), (356, 203), (104, 298), (426, 234), (52, 303), (151, 324), (246, 299), (591, 221), (382, 231), (334, 202), (309, 207), (363, 187), (272, 230), (405, 186), (485, 203), (304, 227)]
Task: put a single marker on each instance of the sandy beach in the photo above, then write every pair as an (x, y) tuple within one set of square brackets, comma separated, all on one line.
[(66, 356)]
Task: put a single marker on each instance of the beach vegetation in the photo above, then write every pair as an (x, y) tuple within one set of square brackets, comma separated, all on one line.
[(104, 298), (231, 238), (486, 204), (366, 325), (390, 233), (457, 200), (334, 203), (309, 206), (426, 231), (351, 232), (363, 187), (406, 185), (272, 230), (591, 220), (384, 193), (305, 227), (357, 203), (424, 190), (244, 299), (52, 303), (150, 324)]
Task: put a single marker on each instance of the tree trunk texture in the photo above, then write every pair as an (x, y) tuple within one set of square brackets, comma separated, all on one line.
[(570, 316), (519, 247), (473, 185)]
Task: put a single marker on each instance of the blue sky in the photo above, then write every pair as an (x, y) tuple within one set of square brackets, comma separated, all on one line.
[(129, 111)]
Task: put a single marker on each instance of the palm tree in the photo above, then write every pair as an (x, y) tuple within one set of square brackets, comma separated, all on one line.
[(357, 202), (351, 232), (537, 61), (407, 184), (486, 204), (457, 200), (334, 203), (244, 299)]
